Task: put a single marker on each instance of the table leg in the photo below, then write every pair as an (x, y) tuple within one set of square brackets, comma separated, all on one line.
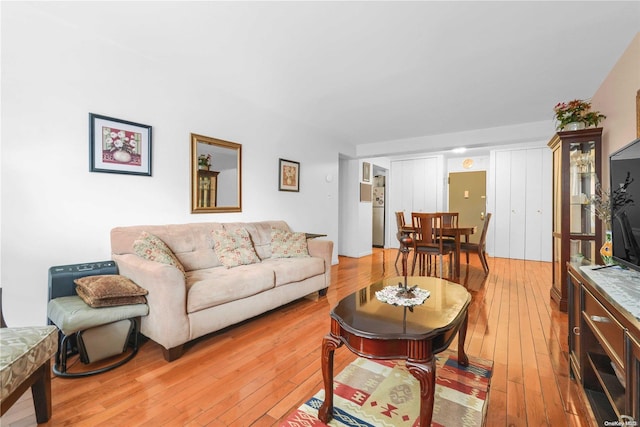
[(462, 335), (329, 344), (425, 373)]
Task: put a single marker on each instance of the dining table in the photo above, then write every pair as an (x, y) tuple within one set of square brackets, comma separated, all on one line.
[(457, 233)]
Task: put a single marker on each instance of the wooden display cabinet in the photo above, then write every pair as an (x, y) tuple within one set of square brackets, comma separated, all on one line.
[(604, 350), (207, 188), (576, 230)]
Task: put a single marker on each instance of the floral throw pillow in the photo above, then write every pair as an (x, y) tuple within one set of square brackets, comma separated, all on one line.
[(234, 247), (151, 247), (286, 244)]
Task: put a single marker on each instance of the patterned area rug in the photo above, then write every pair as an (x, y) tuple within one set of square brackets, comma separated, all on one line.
[(383, 393)]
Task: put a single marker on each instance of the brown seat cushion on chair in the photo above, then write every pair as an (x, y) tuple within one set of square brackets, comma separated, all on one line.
[(109, 290)]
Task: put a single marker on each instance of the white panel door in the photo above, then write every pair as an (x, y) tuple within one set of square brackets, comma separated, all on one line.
[(538, 205), (406, 186), (533, 224), (501, 219), (546, 206), (419, 185), (400, 193), (431, 179), (517, 225), (523, 204), (413, 186)]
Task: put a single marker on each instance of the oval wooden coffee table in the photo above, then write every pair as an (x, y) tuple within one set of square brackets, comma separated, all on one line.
[(377, 330)]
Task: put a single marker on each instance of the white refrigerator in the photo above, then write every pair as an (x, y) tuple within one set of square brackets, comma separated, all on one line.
[(378, 214)]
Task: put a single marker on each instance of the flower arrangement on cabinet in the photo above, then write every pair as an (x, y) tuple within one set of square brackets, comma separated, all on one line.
[(576, 111), (204, 161)]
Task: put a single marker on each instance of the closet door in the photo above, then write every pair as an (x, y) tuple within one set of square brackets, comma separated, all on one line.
[(538, 205), (518, 197), (413, 187), (522, 204), (502, 213), (405, 190), (425, 185)]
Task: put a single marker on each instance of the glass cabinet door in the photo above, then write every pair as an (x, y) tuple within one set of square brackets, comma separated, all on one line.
[(582, 185)]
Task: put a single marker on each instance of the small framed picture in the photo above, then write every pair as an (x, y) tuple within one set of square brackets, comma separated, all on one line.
[(119, 146), (289, 176), (366, 171)]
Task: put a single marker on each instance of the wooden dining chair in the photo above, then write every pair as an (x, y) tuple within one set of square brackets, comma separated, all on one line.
[(428, 242), (480, 247), (400, 222), (450, 219)]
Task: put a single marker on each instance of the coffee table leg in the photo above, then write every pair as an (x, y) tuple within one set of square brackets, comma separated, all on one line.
[(425, 373), (462, 335), (329, 344)]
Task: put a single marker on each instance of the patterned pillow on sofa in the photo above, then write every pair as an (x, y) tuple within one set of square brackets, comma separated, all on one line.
[(151, 247), (286, 244), (234, 247)]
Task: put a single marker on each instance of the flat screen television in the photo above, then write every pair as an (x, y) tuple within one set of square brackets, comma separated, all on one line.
[(624, 170)]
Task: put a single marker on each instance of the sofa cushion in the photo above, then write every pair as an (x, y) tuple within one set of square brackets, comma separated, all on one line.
[(109, 290), (287, 244), (233, 247), (214, 286), (289, 270), (151, 247)]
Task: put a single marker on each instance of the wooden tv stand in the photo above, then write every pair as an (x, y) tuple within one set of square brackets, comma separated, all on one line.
[(604, 342)]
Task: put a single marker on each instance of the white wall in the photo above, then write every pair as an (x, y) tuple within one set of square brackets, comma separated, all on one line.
[(56, 212), (616, 98)]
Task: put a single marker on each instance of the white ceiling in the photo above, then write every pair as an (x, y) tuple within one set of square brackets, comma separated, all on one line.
[(377, 71)]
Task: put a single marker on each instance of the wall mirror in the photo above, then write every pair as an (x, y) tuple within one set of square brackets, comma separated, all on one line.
[(216, 175)]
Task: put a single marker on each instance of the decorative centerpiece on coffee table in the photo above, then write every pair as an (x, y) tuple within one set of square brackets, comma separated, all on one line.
[(403, 294)]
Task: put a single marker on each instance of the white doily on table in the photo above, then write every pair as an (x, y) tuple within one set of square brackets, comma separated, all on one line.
[(389, 295)]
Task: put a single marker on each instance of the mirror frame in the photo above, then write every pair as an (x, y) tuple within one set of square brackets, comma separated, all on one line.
[(195, 140)]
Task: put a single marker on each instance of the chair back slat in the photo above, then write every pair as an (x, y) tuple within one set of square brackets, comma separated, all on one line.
[(400, 220), (450, 219)]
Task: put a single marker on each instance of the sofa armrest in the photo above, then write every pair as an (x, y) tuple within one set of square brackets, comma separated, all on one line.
[(167, 322), (322, 249)]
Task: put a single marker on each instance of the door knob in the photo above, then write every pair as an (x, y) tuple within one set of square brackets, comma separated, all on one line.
[(481, 216)]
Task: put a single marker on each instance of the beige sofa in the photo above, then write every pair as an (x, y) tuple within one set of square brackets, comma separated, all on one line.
[(209, 296)]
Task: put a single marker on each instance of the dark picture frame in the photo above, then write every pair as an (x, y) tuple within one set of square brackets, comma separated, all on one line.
[(119, 146), (288, 175)]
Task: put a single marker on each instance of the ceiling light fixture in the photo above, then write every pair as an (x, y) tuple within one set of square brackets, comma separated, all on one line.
[(459, 150)]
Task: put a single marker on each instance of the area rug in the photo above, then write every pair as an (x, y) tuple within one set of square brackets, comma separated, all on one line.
[(384, 393)]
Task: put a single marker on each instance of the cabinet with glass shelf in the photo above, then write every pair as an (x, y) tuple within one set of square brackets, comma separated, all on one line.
[(576, 233), (207, 195)]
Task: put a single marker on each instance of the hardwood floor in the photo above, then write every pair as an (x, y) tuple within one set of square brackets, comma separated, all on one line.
[(255, 373)]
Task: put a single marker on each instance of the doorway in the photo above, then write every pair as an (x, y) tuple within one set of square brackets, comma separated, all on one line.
[(468, 197)]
